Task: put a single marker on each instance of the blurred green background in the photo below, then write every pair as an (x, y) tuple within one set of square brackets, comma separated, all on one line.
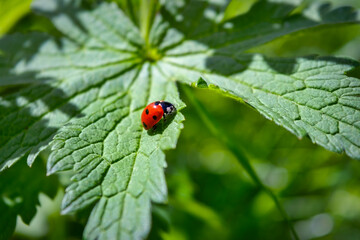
[(210, 195)]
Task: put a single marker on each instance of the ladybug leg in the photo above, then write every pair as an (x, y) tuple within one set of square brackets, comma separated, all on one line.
[(154, 127), (164, 116)]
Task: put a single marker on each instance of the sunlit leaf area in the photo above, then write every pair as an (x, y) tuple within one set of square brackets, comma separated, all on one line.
[(180, 119)]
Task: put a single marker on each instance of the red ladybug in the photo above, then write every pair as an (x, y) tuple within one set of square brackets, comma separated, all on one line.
[(153, 113)]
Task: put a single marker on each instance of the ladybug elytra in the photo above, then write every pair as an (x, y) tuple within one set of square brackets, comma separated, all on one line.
[(153, 113)]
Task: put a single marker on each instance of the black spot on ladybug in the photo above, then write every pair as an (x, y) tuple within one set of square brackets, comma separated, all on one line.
[(144, 125), (154, 117), (157, 103), (147, 111)]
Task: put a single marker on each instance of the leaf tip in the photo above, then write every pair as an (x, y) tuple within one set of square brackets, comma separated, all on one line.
[(201, 83), (64, 211)]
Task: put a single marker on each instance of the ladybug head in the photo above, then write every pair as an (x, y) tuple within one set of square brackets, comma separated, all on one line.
[(167, 107)]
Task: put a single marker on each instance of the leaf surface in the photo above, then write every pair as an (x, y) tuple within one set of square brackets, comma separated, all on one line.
[(93, 78), (73, 78), (118, 164)]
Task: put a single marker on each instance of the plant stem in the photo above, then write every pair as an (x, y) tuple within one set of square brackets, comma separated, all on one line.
[(241, 157), (147, 14), (131, 11)]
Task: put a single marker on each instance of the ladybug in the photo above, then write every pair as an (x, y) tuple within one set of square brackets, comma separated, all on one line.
[(153, 113)]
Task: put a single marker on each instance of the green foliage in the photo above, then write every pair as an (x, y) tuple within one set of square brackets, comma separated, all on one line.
[(11, 12), (83, 93), (323, 104), (20, 187), (308, 96), (309, 180)]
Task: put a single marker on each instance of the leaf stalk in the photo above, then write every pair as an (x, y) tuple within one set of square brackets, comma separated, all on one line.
[(148, 9)]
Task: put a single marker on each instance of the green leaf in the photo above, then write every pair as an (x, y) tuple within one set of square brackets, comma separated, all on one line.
[(20, 192)]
